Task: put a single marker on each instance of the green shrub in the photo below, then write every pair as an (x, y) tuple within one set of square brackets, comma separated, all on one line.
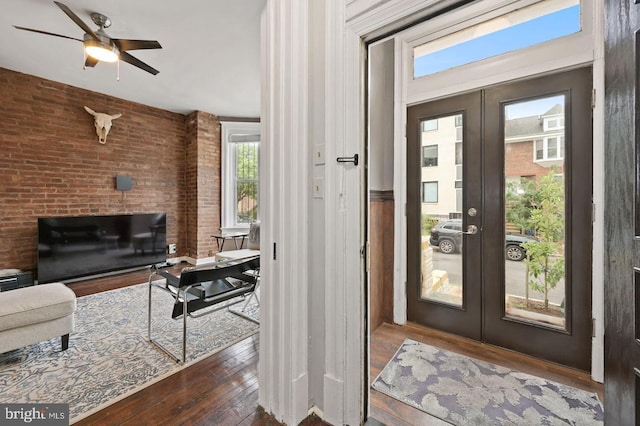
[(428, 222)]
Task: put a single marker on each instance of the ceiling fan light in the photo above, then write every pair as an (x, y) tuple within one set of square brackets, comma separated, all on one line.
[(100, 51)]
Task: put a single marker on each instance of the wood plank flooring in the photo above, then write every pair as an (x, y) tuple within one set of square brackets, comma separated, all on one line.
[(223, 388), (220, 390)]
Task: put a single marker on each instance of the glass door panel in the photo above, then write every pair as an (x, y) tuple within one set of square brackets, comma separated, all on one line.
[(537, 244), (504, 256), (444, 268), (441, 209), (534, 194)]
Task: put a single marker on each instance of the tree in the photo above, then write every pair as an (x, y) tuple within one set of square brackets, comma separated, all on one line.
[(247, 181), (539, 206), (520, 197)]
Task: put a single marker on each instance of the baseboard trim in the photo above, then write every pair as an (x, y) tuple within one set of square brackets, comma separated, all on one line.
[(316, 411)]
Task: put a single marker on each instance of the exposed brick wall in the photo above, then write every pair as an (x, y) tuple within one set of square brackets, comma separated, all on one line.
[(203, 173), (51, 163), (519, 160)]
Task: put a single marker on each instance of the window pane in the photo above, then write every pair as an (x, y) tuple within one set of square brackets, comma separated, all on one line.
[(429, 125), (246, 182), (523, 28), (535, 290), (539, 149), (552, 148), (429, 192), (430, 156), (442, 196), (459, 153)]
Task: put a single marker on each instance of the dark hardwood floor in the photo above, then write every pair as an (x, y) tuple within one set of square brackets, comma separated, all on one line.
[(219, 390), (223, 388)]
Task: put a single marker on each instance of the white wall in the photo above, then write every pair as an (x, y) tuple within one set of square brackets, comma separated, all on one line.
[(381, 74), (285, 242), (445, 172), (317, 215)]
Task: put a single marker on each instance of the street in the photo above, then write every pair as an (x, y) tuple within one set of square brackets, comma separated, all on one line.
[(515, 276)]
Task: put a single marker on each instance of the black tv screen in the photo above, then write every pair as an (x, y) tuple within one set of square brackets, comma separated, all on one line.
[(71, 247)]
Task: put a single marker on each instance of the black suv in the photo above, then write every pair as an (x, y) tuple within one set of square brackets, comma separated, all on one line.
[(447, 236)]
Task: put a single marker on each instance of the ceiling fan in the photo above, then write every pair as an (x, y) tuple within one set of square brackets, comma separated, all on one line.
[(99, 46)]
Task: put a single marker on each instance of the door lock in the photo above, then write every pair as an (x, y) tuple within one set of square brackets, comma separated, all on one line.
[(471, 230)]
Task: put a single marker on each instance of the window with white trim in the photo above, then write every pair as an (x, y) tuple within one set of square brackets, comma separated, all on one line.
[(240, 172), (553, 123), (549, 148)]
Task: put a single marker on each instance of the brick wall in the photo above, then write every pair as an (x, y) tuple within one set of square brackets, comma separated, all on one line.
[(519, 160), (51, 163)]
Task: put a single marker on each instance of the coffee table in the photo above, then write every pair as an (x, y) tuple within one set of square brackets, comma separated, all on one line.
[(235, 236)]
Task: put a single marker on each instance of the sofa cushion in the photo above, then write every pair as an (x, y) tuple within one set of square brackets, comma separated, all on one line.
[(35, 304), (9, 272), (236, 254)]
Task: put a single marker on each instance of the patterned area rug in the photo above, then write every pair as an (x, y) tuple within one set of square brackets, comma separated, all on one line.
[(465, 391), (109, 356)]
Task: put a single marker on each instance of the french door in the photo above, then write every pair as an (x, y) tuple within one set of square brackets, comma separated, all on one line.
[(499, 216)]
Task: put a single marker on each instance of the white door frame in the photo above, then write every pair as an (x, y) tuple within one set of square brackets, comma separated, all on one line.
[(286, 162)]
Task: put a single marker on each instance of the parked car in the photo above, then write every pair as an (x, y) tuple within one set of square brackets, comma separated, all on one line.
[(447, 236)]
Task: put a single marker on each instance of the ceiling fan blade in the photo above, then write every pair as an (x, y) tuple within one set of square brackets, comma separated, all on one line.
[(90, 61), (46, 33), (124, 56), (76, 19), (126, 44)]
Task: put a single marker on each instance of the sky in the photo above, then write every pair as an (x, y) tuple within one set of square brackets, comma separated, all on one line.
[(535, 31), (535, 107)]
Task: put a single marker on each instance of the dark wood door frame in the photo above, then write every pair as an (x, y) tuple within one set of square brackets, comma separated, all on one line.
[(576, 86), (621, 226), (464, 321), (482, 315)]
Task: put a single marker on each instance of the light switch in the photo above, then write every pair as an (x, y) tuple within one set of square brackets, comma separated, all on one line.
[(318, 188), (318, 154)]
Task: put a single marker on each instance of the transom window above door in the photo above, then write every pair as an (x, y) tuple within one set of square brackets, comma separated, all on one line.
[(541, 22)]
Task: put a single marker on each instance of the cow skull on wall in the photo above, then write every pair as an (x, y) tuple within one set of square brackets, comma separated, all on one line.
[(102, 122)]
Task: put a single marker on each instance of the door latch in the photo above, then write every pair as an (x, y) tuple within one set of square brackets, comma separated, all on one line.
[(471, 230), (353, 160)]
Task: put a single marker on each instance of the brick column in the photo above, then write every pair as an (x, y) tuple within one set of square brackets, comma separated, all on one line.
[(203, 182)]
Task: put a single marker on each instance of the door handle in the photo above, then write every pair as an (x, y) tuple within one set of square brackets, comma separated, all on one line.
[(471, 230), (353, 159)]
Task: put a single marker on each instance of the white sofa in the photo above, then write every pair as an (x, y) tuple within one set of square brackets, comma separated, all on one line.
[(32, 314)]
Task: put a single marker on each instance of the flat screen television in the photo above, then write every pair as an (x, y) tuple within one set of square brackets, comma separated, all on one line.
[(72, 247)]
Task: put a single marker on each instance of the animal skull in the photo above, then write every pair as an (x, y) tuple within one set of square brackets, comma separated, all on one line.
[(102, 122)]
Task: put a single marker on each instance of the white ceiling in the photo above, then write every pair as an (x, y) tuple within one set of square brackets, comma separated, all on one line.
[(209, 61)]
